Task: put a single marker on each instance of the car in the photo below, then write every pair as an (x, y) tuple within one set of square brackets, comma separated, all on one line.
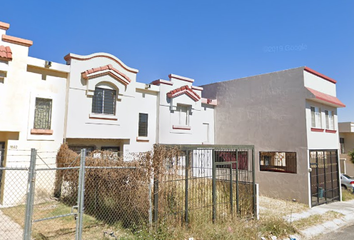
[(347, 182)]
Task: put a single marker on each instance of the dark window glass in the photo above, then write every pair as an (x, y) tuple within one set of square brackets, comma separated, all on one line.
[(143, 125), (104, 101), (278, 161), (230, 156)]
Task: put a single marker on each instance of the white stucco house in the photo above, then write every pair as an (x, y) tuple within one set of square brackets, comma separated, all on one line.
[(92, 102), (95, 102), (32, 109)]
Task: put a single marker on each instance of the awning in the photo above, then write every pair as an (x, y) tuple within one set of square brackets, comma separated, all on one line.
[(325, 98)]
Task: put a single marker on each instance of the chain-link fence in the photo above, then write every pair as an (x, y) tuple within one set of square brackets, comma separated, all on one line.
[(13, 186), (67, 195)]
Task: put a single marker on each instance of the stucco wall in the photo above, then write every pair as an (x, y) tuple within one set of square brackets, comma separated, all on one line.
[(132, 98), (348, 146), (201, 117), (267, 111), (321, 140), (26, 79)]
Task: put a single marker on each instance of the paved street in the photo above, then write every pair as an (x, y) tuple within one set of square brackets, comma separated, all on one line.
[(343, 233)]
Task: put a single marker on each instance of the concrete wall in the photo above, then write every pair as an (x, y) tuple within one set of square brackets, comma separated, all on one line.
[(267, 111)]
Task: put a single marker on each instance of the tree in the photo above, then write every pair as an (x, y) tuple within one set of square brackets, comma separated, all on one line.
[(351, 155)]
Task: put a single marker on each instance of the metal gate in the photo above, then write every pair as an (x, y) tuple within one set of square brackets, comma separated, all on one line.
[(38, 182), (217, 180), (324, 176)]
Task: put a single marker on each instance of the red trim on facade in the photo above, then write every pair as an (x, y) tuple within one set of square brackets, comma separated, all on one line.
[(320, 75), (97, 70), (141, 140), (330, 131), (16, 40), (42, 131), (197, 88), (103, 118), (5, 53), (326, 97), (4, 26), (181, 127), (160, 81), (69, 56), (180, 78), (317, 130), (184, 90), (209, 101)]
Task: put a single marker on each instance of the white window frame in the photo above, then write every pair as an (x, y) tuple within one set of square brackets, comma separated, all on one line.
[(183, 115), (329, 119), (316, 120)]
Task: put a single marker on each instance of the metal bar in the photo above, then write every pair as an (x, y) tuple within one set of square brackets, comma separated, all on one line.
[(9, 169), (43, 161), (156, 196), (186, 188), (59, 216), (51, 169), (231, 192), (80, 197), (254, 183), (30, 196), (150, 201), (211, 147), (213, 187), (223, 163), (237, 186), (89, 167), (324, 173)]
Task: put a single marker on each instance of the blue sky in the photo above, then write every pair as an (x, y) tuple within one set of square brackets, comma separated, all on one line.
[(205, 40)]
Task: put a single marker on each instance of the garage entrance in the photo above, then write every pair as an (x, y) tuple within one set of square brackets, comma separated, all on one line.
[(324, 176)]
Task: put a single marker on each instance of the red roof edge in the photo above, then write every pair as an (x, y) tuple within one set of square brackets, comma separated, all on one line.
[(320, 75), (326, 97)]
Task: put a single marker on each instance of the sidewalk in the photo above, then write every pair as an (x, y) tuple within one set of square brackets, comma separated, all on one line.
[(346, 208), (9, 230)]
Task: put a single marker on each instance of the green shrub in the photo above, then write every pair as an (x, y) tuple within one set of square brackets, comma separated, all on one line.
[(351, 155)]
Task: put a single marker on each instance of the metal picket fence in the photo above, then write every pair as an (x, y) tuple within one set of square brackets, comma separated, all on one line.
[(66, 195), (205, 183)]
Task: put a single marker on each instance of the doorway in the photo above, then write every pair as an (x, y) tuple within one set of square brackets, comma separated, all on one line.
[(324, 176)]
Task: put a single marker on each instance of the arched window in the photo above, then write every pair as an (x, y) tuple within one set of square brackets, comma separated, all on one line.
[(104, 101)]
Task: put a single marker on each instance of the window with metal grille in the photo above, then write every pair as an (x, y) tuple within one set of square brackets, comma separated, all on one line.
[(104, 101), (278, 161), (43, 113), (143, 125)]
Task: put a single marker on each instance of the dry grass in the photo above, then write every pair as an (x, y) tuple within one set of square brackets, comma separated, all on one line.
[(276, 207), (347, 194), (316, 219), (60, 228)]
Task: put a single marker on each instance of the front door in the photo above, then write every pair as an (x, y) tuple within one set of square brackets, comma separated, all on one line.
[(324, 176)]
